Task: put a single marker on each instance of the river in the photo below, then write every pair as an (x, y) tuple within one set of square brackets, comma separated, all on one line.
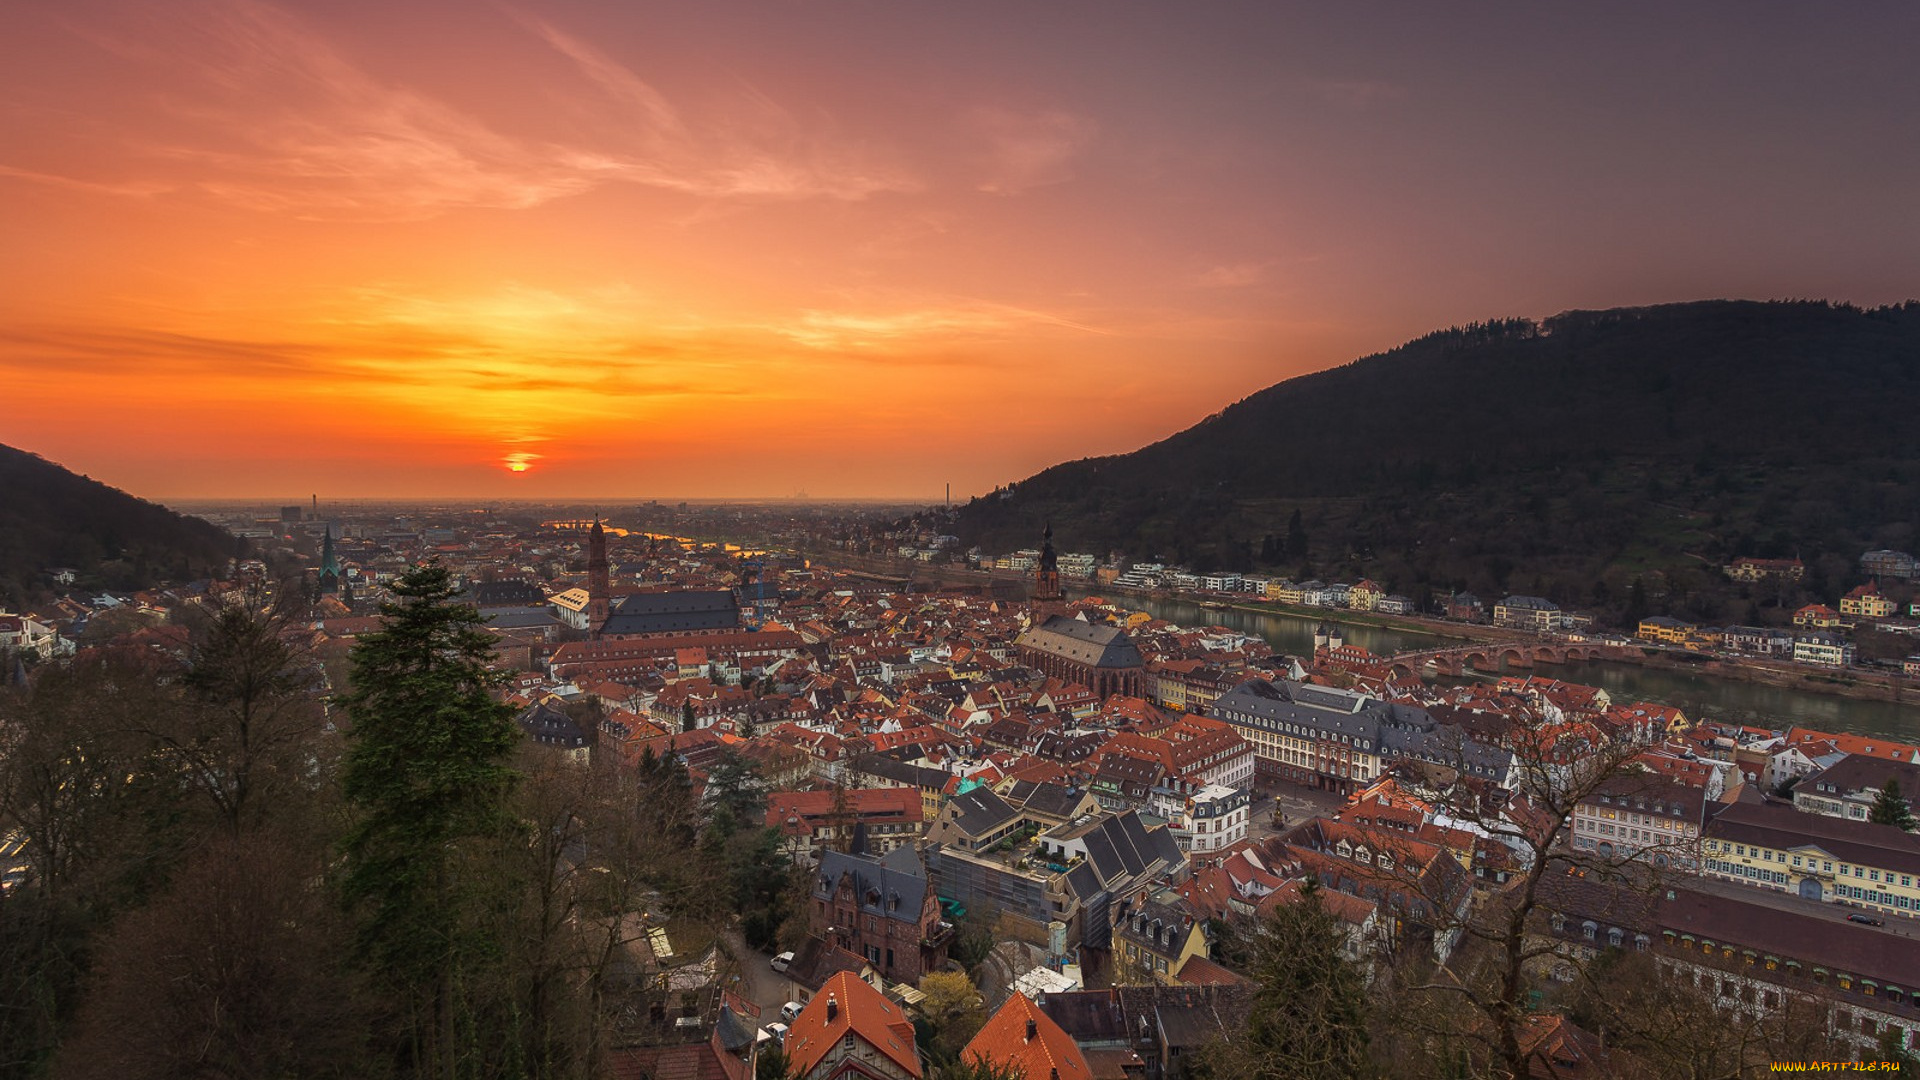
[(1701, 696)]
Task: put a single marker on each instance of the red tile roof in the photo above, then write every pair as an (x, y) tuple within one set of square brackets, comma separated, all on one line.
[(1022, 1036), (857, 1009)]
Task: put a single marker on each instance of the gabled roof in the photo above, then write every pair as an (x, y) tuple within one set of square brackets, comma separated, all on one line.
[(1022, 1036), (980, 811), (674, 612), (878, 888), (856, 1009)]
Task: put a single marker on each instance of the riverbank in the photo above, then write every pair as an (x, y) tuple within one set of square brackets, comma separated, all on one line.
[(1850, 683), (1839, 682)]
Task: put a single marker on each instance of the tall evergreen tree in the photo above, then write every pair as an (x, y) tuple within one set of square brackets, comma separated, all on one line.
[(1890, 807), (1309, 1018), (426, 774)]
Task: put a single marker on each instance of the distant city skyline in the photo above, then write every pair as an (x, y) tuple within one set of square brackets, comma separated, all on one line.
[(865, 249)]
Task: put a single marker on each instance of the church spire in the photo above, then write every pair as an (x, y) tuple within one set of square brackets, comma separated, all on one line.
[(329, 565)]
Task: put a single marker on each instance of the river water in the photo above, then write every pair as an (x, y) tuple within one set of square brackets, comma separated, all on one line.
[(1701, 696)]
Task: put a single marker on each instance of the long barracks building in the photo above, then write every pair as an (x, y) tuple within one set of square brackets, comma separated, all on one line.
[(616, 660)]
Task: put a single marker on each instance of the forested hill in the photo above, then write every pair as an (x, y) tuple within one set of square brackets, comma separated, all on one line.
[(1516, 454), (50, 517)]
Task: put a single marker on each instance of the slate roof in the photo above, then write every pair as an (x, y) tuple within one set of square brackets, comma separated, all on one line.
[(1121, 847), (549, 726), (1094, 644), (980, 811), (900, 772), (1861, 772), (1778, 825), (512, 592), (1049, 800), (878, 888), (674, 612), (1789, 927), (1384, 728)]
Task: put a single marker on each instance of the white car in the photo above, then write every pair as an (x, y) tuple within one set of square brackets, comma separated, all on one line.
[(782, 962), (790, 1010), (774, 1032)]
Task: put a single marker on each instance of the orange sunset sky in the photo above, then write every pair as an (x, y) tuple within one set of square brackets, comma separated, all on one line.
[(865, 248)]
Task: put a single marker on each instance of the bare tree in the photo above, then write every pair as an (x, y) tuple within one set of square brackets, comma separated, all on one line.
[(1475, 1001), (238, 969), (249, 736), (1676, 1031)]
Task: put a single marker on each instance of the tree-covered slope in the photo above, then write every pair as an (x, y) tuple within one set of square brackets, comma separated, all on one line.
[(50, 517), (1521, 454)]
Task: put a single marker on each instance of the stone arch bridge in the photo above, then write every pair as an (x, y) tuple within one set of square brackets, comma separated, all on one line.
[(1495, 656)]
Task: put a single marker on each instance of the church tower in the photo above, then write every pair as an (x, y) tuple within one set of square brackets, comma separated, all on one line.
[(329, 565), (1046, 596), (598, 585)]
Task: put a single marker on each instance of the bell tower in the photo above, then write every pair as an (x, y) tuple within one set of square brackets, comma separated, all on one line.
[(1045, 598), (598, 584)]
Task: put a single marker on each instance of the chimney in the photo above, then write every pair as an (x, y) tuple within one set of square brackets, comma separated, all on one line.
[(1033, 1029), (833, 1008)]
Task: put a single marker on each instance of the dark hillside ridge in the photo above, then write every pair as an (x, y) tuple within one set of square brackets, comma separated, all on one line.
[(51, 517), (1509, 453)]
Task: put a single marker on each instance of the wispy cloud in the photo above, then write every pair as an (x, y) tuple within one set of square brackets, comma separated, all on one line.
[(821, 329), (746, 144), (1030, 149), (272, 116), (1233, 275), (135, 188)]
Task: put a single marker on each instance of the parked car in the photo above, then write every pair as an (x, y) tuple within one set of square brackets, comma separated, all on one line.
[(774, 1032), (783, 961), (790, 1010), (1867, 919)]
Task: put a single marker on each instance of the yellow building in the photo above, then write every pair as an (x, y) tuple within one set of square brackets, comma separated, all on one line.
[(1152, 941), (1866, 601), (1365, 596), (1664, 629), (1834, 859), (1286, 592)]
